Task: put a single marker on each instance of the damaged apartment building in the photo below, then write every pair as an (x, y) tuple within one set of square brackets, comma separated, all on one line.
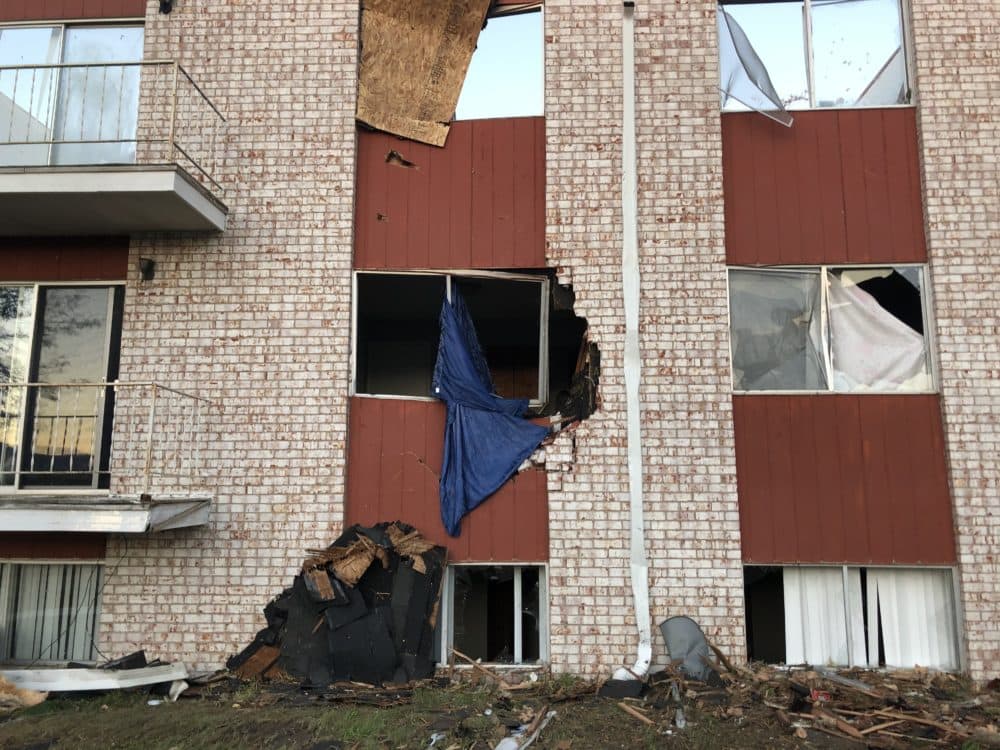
[(719, 278)]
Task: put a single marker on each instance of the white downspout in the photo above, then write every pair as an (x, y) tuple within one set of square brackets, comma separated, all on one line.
[(633, 360)]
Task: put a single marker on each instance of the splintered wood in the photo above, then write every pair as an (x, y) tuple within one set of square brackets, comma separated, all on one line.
[(414, 56)]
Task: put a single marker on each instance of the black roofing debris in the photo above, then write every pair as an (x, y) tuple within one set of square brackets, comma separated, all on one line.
[(363, 610)]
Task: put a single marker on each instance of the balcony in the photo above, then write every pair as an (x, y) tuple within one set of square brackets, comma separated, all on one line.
[(108, 148), (102, 457)]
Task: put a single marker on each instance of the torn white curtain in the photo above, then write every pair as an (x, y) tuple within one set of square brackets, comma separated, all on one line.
[(776, 330), (742, 74), (917, 609), (871, 347), (816, 623)]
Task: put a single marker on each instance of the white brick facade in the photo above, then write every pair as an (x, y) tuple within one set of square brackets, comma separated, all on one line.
[(957, 76), (256, 319)]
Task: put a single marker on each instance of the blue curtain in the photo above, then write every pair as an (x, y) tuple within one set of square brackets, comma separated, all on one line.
[(486, 437)]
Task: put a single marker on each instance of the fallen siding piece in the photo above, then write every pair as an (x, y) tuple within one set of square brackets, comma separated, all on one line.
[(60, 680), (414, 56)]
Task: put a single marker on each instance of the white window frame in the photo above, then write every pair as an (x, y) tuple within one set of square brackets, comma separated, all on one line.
[(15, 488), (102, 573), (927, 311), (807, 30), (543, 329), (446, 614), (959, 621)]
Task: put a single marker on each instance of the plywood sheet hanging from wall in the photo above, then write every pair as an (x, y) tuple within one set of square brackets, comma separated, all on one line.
[(414, 57)]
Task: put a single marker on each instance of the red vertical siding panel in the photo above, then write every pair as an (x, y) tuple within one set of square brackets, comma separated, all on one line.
[(829, 497), (930, 481), (765, 190), (440, 206), (525, 199), (877, 489), (50, 8), (857, 542), (369, 230), (738, 186), (484, 192), (873, 150), (853, 172), (67, 10), (418, 228), (13, 10), (832, 214), (915, 188), (394, 461), (785, 518), (788, 212), (73, 8), (809, 525), (397, 210), (754, 478), (460, 146), (903, 220), (503, 194), (811, 239), (872, 489)]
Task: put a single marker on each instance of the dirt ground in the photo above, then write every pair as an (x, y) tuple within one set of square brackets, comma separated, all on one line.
[(755, 712)]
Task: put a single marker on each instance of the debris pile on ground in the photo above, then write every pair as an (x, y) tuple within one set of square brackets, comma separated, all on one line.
[(362, 610), (13, 698), (882, 709)]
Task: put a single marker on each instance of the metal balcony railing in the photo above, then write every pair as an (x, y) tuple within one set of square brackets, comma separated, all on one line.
[(128, 438), (145, 113)]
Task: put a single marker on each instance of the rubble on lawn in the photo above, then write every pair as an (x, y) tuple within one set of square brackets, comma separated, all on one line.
[(13, 697), (362, 610), (878, 709)]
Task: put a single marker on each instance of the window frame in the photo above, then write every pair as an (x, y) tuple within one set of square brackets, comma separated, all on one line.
[(116, 288), (906, 40), (543, 281), (445, 629), (100, 569), (63, 25), (927, 313), (955, 588)]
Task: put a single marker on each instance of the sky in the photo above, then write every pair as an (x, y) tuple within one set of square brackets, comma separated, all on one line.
[(506, 77)]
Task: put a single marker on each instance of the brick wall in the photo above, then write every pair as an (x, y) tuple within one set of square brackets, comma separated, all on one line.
[(957, 75), (692, 522), (255, 318)]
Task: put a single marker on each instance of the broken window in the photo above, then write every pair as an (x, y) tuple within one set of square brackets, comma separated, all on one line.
[(398, 330), (896, 617), (782, 55), (506, 74), (829, 329), (48, 612), (496, 613)]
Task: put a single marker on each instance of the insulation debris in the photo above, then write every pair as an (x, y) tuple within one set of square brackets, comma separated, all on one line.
[(414, 57), (13, 698), (362, 610)]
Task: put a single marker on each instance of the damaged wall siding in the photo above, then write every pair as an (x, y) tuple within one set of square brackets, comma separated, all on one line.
[(843, 479), (414, 54), (394, 459), (960, 147), (253, 319), (840, 186), (479, 202), (692, 526)]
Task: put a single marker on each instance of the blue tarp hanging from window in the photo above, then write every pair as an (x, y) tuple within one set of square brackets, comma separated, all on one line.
[(486, 437)]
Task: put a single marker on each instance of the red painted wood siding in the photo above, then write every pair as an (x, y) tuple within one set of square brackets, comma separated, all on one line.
[(839, 186), (67, 10), (478, 202), (52, 259), (51, 546), (843, 479), (394, 460)]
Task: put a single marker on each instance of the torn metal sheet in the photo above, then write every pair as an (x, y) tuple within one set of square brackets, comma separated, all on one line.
[(414, 57), (93, 514), (79, 679)]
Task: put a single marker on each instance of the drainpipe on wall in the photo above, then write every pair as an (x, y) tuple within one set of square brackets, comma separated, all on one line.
[(633, 360)]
